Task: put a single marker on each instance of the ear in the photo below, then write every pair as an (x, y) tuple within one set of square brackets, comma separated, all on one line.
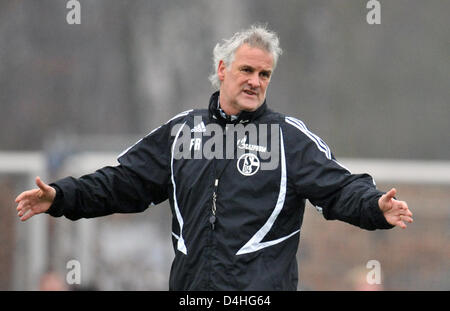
[(221, 70)]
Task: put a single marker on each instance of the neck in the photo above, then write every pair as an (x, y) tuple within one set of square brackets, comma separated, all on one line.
[(222, 116), (226, 107)]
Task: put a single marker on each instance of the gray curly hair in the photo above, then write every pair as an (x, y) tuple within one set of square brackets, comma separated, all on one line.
[(256, 36)]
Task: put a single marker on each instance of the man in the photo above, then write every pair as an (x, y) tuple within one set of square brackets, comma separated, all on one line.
[(236, 216)]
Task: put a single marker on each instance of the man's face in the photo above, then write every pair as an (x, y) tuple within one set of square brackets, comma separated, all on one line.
[(244, 85)]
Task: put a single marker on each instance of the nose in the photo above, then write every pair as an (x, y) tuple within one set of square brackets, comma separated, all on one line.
[(254, 81)]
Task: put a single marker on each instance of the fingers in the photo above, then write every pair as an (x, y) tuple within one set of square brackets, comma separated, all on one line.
[(29, 193), (25, 195), (408, 213), (35, 201), (27, 215), (23, 205), (403, 208), (21, 196), (406, 218), (401, 224), (402, 220), (25, 201), (24, 210)]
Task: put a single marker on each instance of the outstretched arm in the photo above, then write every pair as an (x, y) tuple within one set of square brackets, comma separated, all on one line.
[(141, 178), (395, 212), (35, 201), (334, 190)]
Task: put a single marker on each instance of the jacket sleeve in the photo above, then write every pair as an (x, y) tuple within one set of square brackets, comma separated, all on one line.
[(329, 186), (139, 180)]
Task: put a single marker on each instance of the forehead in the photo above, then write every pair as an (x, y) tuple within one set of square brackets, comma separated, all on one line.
[(254, 57)]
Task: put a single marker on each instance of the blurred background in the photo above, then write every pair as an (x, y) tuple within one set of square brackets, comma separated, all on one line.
[(72, 97)]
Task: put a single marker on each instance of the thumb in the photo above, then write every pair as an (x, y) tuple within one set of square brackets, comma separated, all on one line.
[(391, 194), (43, 186)]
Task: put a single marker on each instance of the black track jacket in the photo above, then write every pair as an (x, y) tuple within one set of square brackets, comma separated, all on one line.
[(237, 213)]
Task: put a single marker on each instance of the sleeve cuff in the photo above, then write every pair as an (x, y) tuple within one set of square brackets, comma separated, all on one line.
[(56, 209), (377, 216)]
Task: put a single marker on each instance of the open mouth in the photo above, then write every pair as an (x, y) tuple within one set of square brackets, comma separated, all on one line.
[(250, 93)]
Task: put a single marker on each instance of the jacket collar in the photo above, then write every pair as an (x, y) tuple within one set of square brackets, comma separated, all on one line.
[(244, 117)]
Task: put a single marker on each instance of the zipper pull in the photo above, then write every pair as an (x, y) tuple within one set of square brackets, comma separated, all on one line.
[(212, 218)]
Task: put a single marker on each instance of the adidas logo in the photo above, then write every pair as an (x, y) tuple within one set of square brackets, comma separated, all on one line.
[(199, 128)]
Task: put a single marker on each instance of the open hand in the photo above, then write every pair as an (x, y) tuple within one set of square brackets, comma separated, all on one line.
[(395, 212), (35, 201)]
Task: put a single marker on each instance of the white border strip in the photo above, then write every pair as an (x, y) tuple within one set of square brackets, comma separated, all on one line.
[(181, 246), (317, 140), (254, 244), (181, 114)]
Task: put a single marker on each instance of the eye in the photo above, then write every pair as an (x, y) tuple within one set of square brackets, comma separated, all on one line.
[(246, 69), (265, 74)]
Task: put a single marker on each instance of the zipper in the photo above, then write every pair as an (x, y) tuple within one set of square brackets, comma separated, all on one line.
[(212, 218)]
